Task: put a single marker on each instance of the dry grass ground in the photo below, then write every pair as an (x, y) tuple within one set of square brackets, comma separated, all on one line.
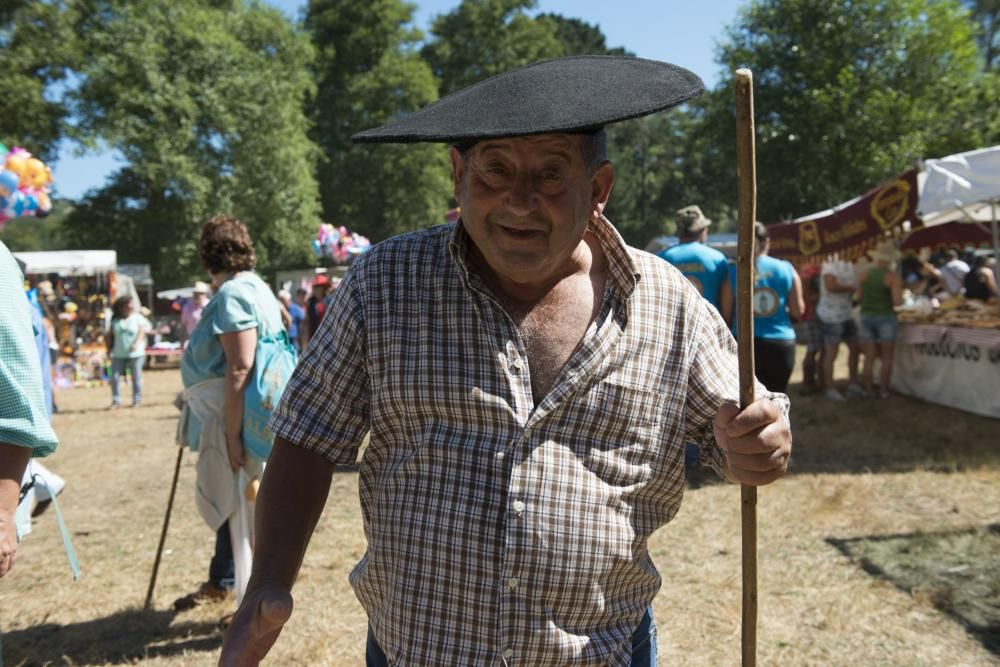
[(862, 470)]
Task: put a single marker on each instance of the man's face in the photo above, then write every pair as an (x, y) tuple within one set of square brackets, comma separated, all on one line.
[(526, 202)]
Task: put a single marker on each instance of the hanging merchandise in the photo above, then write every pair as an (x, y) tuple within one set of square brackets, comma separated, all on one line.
[(24, 185), (338, 244)]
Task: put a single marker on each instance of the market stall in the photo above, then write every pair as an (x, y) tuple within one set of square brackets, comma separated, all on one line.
[(76, 289), (949, 353), (951, 356)]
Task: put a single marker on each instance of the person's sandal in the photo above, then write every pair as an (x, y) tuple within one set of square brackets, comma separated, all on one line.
[(207, 592)]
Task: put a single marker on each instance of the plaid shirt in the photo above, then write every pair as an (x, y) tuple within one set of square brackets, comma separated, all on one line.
[(501, 532)]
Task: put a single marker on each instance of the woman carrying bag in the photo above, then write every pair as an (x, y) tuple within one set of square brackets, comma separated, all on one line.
[(238, 350)]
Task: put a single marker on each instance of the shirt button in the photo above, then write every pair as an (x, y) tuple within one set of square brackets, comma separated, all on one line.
[(512, 582), (518, 506), (517, 363), (508, 653)]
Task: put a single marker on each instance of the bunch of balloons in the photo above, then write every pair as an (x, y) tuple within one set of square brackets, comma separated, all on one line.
[(24, 185), (339, 244)]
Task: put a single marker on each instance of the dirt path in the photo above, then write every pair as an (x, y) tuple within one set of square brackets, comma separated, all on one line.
[(861, 470)]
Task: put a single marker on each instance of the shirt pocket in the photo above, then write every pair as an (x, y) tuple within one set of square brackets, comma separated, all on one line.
[(620, 436)]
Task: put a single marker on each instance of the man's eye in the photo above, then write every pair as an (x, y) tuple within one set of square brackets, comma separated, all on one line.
[(550, 175), (496, 169)]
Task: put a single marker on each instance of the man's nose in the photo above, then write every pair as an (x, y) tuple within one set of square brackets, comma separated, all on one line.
[(521, 195)]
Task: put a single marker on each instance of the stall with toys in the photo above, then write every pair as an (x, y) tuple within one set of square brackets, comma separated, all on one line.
[(335, 248), (76, 289), (338, 245)]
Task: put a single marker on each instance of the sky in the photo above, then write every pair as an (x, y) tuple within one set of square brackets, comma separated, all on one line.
[(683, 32)]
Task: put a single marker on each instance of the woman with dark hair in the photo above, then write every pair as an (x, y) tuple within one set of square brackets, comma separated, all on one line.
[(215, 368), (127, 346), (777, 293)]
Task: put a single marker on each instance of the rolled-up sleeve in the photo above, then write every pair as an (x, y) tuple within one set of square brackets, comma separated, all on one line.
[(325, 407), (23, 419)]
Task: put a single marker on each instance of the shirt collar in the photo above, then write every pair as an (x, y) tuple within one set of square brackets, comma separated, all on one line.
[(622, 269)]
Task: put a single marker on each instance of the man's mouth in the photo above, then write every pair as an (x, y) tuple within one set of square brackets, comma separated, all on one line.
[(520, 232)]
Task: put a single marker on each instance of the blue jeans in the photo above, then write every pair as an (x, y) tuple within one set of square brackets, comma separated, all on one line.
[(879, 328), (643, 645), (134, 366)]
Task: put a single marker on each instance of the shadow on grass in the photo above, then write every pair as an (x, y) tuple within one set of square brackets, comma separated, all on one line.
[(124, 637), (898, 434), (955, 570)]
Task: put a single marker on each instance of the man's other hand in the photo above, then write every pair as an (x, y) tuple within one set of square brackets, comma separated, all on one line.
[(757, 442), (256, 626)]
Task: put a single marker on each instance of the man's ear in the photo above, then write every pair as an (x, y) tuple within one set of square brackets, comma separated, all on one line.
[(457, 171), (601, 185)]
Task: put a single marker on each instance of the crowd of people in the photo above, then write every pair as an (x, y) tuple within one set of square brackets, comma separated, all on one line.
[(824, 306)]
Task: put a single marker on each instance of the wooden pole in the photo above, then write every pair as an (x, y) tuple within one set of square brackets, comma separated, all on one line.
[(163, 533), (745, 255)]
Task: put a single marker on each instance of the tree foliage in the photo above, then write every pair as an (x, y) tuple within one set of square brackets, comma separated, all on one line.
[(35, 49), (848, 93), (986, 13), (481, 38), (579, 37), (205, 102), (368, 73)]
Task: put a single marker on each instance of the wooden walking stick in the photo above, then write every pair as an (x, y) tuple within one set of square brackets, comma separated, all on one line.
[(747, 174), (163, 533)]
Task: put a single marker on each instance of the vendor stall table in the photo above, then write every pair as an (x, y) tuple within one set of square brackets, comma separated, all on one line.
[(954, 366)]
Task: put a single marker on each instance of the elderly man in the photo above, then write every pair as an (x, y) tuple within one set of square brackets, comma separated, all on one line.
[(529, 382)]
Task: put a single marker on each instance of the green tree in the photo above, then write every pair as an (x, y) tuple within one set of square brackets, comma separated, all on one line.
[(33, 234), (986, 13), (579, 37), (204, 100), (847, 94), (368, 73), (35, 48), (481, 38)]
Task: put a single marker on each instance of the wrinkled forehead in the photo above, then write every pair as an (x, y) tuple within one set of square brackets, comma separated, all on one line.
[(567, 146)]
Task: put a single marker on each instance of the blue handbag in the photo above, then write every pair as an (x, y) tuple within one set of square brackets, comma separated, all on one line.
[(272, 368)]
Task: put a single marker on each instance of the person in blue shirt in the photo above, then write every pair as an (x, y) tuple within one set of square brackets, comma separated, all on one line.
[(705, 267), (215, 369), (708, 271), (777, 297), (297, 313)]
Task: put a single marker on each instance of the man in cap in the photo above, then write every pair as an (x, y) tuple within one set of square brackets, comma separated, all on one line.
[(705, 267), (528, 382)]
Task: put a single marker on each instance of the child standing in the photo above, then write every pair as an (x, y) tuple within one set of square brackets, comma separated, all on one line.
[(127, 345)]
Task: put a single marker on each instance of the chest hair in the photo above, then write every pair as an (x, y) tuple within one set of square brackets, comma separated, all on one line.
[(552, 329)]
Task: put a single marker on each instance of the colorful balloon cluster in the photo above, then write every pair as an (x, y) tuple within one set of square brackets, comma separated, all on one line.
[(338, 243), (24, 185)]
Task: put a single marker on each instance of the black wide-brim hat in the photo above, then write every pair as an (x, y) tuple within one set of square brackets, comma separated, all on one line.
[(578, 94)]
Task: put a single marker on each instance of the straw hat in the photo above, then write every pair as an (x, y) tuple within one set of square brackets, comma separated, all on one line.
[(691, 220)]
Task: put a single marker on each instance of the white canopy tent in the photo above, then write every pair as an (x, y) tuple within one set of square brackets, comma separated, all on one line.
[(963, 187), (69, 262)]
